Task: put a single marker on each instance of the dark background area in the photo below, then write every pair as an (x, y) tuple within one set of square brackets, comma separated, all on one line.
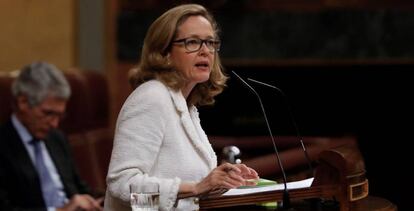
[(326, 34), (345, 70), (371, 102)]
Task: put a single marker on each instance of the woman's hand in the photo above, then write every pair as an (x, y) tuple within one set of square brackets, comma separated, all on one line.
[(227, 176), (249, 175)]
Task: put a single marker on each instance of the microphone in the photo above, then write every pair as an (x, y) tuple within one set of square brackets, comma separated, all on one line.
[(311, 169), (232, 154), (286, 197)]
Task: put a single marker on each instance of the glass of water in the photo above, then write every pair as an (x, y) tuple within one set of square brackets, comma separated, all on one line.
[(144, 197)]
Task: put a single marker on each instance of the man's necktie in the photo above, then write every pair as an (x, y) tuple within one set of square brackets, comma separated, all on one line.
[(49, 189)]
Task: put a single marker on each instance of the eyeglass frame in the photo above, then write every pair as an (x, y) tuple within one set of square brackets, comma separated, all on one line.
[(203, 41), (50, 114)]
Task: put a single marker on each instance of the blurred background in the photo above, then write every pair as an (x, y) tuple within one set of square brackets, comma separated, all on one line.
[(344, 65)]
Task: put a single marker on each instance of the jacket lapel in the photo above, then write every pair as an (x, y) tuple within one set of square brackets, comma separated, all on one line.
[(20, 153), (20, 158), (55, 146), (55, 154), (191, 123)]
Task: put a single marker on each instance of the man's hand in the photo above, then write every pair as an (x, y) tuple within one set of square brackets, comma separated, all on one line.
[(82, 202)]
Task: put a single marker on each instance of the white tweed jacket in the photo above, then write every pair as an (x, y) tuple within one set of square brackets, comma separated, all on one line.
[(158, 139)]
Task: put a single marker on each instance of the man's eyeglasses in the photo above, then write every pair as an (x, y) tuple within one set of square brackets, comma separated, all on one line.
[(49, 114), (193, 44)]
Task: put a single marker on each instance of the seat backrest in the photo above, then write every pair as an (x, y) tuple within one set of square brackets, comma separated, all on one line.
[(6, 98)]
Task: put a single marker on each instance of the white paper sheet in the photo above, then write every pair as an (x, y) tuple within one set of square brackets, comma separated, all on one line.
[(290, 185)]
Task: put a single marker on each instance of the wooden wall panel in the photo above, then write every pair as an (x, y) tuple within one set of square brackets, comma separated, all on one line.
[(37, 30), (269, 5)]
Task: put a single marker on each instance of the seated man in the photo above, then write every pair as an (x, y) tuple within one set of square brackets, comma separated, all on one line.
[(36, 168)]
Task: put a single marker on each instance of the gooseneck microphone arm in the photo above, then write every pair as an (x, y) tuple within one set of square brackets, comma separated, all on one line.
[(293, 122), (286, 198)]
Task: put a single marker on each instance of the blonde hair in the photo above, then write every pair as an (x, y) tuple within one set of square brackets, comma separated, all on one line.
[(154, 62)]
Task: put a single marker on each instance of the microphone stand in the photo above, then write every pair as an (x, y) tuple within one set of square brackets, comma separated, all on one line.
[(286, 198), (311, 169)]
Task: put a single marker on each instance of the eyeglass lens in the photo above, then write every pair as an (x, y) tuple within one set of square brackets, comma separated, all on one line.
[(194, 44)]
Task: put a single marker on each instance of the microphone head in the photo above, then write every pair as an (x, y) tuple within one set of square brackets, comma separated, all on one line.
[(231, 154)]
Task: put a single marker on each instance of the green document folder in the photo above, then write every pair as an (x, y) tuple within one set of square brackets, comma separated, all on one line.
[(261, 183)]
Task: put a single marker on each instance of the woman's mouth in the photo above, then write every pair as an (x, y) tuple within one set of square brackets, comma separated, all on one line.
[(203, 65)]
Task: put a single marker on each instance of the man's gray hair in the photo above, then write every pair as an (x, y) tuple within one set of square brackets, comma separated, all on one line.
[(39, 80)]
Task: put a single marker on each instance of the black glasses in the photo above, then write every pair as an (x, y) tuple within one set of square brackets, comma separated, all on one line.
[(193, 44)]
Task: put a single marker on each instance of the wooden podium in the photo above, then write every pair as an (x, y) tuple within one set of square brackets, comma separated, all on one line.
[(340, 175)]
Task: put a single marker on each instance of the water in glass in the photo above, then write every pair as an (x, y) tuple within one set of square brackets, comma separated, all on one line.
[(145, 198)]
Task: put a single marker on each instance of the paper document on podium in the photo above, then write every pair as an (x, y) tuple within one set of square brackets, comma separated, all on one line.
[(306, 183)]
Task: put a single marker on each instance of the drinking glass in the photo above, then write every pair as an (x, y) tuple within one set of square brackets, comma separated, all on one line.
[(144, 197)]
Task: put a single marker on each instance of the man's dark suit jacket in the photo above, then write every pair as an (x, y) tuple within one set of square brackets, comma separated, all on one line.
[(19, 182)]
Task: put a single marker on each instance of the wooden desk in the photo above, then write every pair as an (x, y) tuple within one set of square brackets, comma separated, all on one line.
[(340, 175), (373, 203), (302, 205), (370, 203)]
